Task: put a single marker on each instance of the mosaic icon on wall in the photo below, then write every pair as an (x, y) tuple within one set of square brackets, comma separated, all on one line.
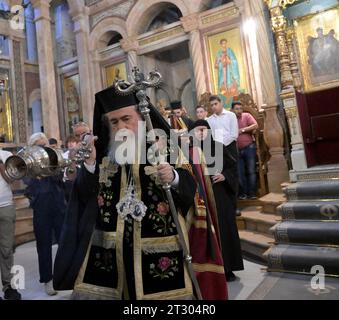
[(115, 72), (318, 43), (227, 65), (72, 99)]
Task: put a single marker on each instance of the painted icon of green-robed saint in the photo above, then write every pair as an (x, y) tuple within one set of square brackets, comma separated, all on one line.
[(227, 67)]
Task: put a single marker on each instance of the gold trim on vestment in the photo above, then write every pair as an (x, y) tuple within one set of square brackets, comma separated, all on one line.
[(104, 239), (202, 224), (167, 244), (162, 244), (86, 288), (208, 267), (90, 289), (120, 236), (139, 286), (200, 211)]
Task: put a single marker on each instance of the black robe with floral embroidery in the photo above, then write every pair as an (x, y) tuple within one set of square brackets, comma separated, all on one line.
[(102, 256)]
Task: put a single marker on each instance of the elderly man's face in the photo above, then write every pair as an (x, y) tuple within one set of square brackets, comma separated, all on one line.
[(41, 142), (80, 131), (125, 118)]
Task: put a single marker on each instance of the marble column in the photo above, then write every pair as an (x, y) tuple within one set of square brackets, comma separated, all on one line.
[(256, 19), (298, 157), (95, 71), (130, 46), (191, 26), (267, 92), (19, 116), (46, 68), (81, 30)]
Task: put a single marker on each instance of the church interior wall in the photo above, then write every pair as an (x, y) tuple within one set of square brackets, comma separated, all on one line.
[(131, 19)]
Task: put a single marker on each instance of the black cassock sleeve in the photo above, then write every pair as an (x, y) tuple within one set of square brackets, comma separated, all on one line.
[(77, 229), (184, 194)]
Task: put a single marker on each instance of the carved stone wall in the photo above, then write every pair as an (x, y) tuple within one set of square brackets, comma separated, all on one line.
[(19, 91)]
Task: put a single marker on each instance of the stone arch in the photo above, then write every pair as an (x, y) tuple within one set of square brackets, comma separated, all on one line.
[(145, 10), (185, 95), (35, 114), (35, 95), (106, 26)]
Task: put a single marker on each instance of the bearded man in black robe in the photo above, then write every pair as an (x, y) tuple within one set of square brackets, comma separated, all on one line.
[(119, 239)]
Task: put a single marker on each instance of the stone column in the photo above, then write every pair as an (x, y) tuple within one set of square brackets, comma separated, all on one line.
[(81, 30), (46, 68), (130, 46), (298, 157), (19, 115), (274, 138), (279, 29), (264, 69), (290, 79), (96, 81), (266, 84), (191, 26)]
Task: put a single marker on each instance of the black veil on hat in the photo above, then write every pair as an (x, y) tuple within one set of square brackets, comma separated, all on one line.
[(109, 100)]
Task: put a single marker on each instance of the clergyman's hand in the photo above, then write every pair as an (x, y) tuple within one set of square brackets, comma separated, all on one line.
[(218, 178), (165, 173)]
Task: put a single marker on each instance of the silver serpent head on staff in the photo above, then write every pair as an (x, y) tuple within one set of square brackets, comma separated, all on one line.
[(139, 87)]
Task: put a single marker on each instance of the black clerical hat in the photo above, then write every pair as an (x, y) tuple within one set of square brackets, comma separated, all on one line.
[(109, 100), (176, 105), (201, 123)]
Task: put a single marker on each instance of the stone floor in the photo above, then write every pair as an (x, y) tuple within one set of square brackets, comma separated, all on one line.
[(253, 283)]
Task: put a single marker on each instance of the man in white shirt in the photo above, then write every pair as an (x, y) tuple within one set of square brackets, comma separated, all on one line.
[(224, 126), (7, 228), (223, 123)]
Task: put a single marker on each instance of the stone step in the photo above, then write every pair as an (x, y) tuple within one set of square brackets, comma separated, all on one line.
[(307, 232), (271, 201), (301, 258), (21, 202), (24, 221), (310, 210), (254, 244), (257, 221), (325, 172), (327, 190), (248, 203), (24, 229)]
